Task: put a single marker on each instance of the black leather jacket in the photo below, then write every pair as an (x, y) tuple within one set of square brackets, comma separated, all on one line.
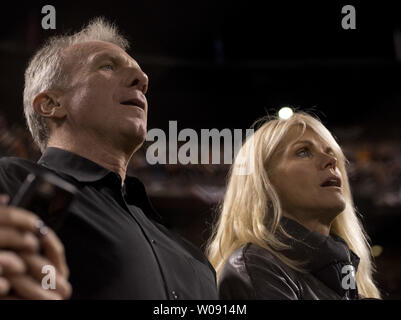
[(252, 272)]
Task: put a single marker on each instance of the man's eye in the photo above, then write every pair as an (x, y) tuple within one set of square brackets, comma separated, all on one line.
[(107, 67)]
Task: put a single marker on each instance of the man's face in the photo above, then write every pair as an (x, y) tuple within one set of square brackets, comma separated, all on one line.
[(106, 95), (299, 170)]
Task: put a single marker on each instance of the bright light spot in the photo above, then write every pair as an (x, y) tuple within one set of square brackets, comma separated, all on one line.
[(377, 250), (285, 113)]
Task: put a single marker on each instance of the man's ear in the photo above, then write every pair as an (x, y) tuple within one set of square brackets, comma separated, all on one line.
[(47, 105)]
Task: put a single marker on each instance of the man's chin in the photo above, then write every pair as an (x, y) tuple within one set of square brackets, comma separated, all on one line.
[(138, 139), (138, 144), (132, 138)]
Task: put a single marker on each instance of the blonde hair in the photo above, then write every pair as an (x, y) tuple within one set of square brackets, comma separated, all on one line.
[(251, 209), (45, 70)]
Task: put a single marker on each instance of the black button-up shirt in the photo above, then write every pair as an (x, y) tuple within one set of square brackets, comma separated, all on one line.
[(115, 243)]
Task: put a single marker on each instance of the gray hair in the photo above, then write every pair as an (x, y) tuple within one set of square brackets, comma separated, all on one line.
[(45, 70)]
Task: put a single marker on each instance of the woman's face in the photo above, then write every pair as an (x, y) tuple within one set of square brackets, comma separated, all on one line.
[(299, 168)]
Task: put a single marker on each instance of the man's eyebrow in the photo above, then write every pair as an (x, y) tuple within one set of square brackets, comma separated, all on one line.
[(114, 58), (308, 142), (103, 55)]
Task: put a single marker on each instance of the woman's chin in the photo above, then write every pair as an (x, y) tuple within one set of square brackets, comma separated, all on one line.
[(336, 208)]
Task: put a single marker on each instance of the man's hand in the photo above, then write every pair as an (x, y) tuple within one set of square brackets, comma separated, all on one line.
[(22, 235)]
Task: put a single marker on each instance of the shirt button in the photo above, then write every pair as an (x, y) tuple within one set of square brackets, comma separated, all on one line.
[(175, 295)]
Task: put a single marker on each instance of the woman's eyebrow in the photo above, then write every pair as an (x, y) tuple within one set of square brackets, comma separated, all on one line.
[(308, 142), (303, 142)]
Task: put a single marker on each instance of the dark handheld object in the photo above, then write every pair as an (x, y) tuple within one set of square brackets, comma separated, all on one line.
[(46, 195)]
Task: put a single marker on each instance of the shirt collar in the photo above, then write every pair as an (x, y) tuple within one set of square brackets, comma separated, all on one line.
[(71, 164), (68, 164)]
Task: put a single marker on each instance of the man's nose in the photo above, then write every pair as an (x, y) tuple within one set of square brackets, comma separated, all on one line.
[(139, 79)]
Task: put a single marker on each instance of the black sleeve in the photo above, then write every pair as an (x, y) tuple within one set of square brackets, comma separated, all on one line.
[(11, 176), (234, 282), (250, 274)]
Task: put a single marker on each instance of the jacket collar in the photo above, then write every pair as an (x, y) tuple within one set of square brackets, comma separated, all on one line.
[(324, 257)]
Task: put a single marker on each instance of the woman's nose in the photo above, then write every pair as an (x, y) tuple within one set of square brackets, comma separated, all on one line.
[(329, 160)]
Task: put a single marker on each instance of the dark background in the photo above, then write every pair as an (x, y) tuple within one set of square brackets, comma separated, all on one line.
[(223, 64)]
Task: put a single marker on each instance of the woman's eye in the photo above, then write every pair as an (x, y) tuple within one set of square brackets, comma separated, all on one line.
[(303, 152)]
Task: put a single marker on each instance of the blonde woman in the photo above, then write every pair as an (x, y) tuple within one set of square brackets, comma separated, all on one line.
[(288, 229)]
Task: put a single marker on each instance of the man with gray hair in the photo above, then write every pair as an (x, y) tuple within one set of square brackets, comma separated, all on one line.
[(85, 105)]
